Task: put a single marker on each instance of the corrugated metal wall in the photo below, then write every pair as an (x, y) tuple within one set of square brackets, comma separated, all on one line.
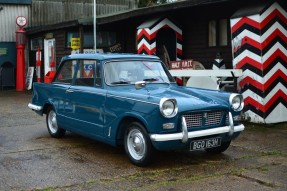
[(44, 12), (55, 11), (8, 15)]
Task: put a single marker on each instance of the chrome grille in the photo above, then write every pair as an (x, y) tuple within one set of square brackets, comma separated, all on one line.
[(204, 119), (213, 118), (193, 120)]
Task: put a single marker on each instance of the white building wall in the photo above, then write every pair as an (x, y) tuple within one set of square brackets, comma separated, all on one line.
[(8, 15)]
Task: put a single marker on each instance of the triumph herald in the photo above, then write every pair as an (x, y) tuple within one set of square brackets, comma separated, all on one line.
[(132, 101)]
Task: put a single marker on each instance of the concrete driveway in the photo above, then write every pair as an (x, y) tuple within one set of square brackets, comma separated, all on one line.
[(31, 160)]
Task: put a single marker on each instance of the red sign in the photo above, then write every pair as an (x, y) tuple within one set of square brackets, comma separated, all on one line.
[(181, 64)]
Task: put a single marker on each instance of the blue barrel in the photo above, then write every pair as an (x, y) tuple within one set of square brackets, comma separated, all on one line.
[(7, 64)]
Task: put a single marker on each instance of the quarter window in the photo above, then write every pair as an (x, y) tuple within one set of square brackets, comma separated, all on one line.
[(85, 73), (66, 73)]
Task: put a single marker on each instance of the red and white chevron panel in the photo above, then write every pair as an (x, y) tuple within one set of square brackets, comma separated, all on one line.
[(146, 37), (259, 45)]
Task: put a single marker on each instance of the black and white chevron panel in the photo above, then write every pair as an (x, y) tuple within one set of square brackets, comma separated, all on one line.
[(146, 37), (259, 45)]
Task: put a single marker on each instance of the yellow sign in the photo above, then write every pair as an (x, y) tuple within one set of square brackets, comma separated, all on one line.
[(75, 43), (49, 35)]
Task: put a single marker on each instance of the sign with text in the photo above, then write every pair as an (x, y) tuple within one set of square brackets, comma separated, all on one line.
[(181, 64), (75, 43), (87, 51), (116, 48), (29, 78)]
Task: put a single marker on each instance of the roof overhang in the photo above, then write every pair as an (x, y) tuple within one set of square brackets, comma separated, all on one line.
[(253, 8), (58, 26), (107, 19), (17, 2), (155, 9)]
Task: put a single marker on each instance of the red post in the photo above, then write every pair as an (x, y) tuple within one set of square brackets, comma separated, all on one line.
[(38, 65), (20, 70), (52, 64)]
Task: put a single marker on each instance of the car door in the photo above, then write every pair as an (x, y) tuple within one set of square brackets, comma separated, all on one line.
[(86, 99), (61, 84)]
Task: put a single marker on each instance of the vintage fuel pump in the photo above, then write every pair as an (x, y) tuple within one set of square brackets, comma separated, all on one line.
[(52, 64), (20, 46), (38, 65), (50, 75)]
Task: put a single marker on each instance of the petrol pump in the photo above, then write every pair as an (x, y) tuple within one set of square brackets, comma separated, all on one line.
[(20, 46), (50, 75), (38, 65)]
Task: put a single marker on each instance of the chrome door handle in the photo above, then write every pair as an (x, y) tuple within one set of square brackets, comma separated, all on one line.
[(69, 91)]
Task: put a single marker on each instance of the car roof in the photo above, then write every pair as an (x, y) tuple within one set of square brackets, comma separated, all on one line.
[(109, 56)]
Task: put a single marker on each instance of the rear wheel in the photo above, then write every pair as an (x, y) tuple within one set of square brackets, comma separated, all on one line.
[(138, 146), (52, 125), (223, 147)]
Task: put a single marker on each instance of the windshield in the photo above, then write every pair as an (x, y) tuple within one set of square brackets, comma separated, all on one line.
[(129, 72)]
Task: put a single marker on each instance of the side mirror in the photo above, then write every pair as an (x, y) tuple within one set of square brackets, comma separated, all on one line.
[(140, 85)]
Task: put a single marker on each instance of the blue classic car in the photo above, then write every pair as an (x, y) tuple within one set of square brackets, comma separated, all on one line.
[(132, 100)]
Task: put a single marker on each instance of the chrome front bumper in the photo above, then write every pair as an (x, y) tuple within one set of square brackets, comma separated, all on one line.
[(185, 135), (35, 107)]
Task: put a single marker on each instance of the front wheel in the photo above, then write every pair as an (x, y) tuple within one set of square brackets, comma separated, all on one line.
[(223, 147), (138, 146), (52, 125)]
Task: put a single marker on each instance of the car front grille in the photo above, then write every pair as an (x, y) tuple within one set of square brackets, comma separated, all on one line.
[(205, 119)]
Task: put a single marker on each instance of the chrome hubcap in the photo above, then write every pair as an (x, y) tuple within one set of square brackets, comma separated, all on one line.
[(52, 122), (136, 144)]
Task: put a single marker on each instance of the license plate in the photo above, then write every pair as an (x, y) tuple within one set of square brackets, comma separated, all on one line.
[(205, 144)]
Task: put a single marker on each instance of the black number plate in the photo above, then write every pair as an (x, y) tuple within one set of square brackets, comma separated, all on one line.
[(205, 144)]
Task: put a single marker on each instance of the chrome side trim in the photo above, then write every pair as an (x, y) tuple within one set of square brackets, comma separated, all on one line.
[(194, 134), (35, 107), (79, 120), (120, 97)]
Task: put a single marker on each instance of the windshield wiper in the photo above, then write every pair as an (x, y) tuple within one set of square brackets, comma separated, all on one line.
[(150, 79), (121, 82)]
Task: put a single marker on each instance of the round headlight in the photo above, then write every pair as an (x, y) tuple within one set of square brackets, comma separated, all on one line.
[(168, 107), (236, 102)]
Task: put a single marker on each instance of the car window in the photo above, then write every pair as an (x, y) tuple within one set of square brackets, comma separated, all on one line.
[(129, 72), (66, 72), (85, 75)]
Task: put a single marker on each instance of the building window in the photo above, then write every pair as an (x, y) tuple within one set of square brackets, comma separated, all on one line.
[(217, 33), (104, 39), (222, 32), (212, 33), (36, 43), (69, 37)]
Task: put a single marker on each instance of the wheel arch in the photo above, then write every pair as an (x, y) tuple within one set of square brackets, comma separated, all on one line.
[(123, 125), (46, 107)]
